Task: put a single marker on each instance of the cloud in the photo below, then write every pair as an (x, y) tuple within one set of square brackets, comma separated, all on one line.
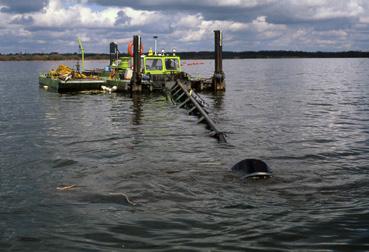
[(22, 20), (53, 25), (22, 6), (57, 15), (183, 4)]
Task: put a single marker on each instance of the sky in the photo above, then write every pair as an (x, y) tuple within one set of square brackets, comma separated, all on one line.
[(248, 25)]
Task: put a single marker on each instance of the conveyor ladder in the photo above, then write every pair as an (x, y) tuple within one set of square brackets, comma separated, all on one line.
[(194, 104)]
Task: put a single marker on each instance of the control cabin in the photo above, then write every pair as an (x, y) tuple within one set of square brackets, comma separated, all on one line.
[(161, 65)]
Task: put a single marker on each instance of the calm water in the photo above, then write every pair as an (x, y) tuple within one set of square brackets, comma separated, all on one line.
[(307, 118)]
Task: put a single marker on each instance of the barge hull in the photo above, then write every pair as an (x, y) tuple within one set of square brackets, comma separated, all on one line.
[(70, 86)]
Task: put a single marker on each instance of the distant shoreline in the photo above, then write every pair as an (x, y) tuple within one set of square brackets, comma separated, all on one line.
[(190, 55)]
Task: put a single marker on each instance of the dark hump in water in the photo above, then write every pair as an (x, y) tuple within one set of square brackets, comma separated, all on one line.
[(252, 168)]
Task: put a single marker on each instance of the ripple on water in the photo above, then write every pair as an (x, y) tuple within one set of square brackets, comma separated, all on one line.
[(148, 178)]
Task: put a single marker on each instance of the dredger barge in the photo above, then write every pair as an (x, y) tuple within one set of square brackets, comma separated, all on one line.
[(139, 73), (149, 73)]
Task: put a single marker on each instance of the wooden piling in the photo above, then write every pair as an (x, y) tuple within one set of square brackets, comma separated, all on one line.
[(218, 77), (137, 77)]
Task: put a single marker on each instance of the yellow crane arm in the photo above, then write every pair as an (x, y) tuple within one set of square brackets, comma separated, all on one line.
[(82, 53)]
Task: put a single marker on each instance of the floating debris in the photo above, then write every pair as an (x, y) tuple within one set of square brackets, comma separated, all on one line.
[(125, 196), (66, 187)]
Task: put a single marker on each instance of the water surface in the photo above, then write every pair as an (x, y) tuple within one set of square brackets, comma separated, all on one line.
[(307, 118)]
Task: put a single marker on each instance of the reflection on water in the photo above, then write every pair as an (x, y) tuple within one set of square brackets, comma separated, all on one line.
[(149, 178), (137, 108)]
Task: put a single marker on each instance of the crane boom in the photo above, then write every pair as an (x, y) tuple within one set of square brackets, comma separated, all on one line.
[(82, 53)]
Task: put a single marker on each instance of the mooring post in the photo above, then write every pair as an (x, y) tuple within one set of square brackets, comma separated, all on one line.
[(136, 78), (218, 77)]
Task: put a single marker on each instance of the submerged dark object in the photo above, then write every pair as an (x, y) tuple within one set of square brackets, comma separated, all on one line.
[(253, 168)]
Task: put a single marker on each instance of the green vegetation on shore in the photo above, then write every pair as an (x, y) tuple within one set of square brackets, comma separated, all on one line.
[(49, 56), (192, 55)]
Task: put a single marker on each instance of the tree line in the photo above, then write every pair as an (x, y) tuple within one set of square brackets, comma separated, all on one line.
[(190, 55)]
